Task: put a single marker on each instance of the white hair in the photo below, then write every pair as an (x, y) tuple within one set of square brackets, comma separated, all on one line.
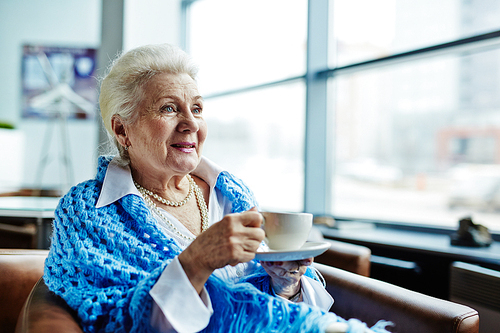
[(122, 88)]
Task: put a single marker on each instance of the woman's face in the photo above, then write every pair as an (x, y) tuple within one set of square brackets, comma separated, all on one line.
[(169, 133)]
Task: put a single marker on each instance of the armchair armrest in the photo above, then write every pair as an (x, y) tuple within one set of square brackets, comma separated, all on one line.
[(371, 300), (45, 312)]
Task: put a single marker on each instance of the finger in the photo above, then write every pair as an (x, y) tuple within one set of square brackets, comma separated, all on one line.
[(253, 234), (272, 263), (244, 257), (303, 262), (251, 219), (251, 245), (306, 262)]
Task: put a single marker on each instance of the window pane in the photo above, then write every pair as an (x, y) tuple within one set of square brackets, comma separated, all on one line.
[(243, 43), (259, 136), (420, 142), (364, 29)]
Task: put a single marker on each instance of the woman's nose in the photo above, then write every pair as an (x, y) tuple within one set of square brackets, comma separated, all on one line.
[(187, 122)]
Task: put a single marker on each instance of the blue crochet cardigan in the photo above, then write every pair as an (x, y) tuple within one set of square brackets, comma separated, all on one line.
[(103, 263)]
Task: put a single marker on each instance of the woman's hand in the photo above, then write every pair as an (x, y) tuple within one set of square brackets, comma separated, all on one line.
[(285, 275), (233, 240)]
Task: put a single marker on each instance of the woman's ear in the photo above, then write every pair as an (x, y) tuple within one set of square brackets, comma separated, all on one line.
[(120, 131)]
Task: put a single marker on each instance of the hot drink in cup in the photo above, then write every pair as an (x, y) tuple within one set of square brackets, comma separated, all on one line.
[(286, 231)]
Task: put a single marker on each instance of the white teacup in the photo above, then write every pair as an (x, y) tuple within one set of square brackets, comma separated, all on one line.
[(286, 231)]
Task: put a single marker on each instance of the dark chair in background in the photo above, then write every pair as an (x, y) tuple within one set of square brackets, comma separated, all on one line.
[(477, 287), (20, 232), (18, 236)]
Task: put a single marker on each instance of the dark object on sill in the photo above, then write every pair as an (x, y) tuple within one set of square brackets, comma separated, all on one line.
[(471, 234)]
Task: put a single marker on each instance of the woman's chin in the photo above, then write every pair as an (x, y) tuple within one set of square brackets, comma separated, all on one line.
[(185, 165)]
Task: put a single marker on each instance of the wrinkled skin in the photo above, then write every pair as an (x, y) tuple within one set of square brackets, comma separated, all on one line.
[(233, 240), (285, 275)]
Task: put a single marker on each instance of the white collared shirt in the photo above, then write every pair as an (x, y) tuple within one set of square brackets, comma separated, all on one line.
[(173, 287)]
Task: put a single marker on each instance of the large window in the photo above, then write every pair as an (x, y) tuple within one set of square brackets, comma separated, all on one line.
[(417, 137), (364, 29), (252, 61), (244, 43), (413, 88), (259, 136)]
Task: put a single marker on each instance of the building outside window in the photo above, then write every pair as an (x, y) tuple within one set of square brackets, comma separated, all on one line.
[(413, 88)]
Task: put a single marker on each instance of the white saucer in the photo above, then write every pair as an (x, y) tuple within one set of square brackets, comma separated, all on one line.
[(308, 250)]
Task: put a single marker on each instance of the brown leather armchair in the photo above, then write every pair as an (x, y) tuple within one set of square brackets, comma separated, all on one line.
[(21, 283), (19, 271), (355, 296)]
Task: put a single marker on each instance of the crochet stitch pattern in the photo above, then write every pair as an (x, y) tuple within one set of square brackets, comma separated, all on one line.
[(234, 188), (104, 261)]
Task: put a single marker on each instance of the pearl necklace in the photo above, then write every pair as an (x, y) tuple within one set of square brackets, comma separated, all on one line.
[(168, 202), (164, 220)]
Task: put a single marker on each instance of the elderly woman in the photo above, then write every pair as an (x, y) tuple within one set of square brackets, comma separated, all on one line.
[(161, 238)]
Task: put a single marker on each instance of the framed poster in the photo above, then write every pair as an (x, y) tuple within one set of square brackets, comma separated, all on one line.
[(58, 81)]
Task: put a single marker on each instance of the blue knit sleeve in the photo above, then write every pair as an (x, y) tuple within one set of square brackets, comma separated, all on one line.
[(236, 191)]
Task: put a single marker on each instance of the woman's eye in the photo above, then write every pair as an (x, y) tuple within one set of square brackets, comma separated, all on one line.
[(168, 109), (197, 110)]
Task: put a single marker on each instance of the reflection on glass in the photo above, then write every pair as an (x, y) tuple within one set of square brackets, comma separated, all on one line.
[(365, 29), (247, 42), (259, 136), (420, 142)]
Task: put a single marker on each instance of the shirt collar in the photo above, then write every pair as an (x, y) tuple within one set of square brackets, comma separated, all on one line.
[(118, 180), (208, 171)]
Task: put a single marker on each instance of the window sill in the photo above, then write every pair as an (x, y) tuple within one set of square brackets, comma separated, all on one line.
[(415, 240)]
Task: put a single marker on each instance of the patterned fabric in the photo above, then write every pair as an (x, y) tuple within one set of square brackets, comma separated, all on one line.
[(234, 189), (262, 281), (103, 263)]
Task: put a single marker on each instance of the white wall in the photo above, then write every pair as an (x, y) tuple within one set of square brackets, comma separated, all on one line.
[(73, 23)]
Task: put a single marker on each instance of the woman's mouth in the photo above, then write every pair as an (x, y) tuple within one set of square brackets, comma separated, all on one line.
[(186, 147)]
